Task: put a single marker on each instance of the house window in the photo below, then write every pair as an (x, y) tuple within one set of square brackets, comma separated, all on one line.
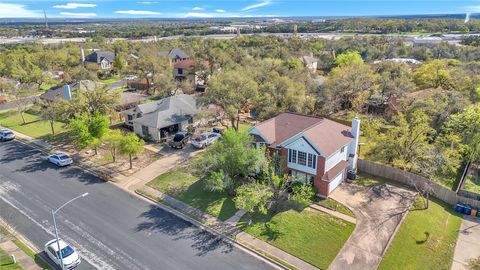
[(312, 161), (139, 115), (302, 158), (145, 131), (130, 117), (180, 71), (342, 150), (292, 156)]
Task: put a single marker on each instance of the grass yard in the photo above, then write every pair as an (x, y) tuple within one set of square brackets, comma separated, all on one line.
[(109, 80), (472, 185), (34, 127), (334, 205), (425, 240), (6, 262), (309, 235), (186, 188)]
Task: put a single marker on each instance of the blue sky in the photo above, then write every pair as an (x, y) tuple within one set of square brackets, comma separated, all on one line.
[(229, 8)]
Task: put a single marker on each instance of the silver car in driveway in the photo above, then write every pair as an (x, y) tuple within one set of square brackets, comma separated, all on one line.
[(6, 135), (205, 139), (60, 159)]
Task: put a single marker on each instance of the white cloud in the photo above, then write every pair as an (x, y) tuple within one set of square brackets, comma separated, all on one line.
[(148, 2), (79, 15), (17, 11), (197, 15), (198, 8), (258, 5), (137, 12), (220, 10), (75, 5)]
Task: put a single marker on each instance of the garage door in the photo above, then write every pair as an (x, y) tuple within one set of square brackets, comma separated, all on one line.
[(335, 182)]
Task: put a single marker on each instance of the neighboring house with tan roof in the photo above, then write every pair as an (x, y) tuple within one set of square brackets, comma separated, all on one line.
[(315, 150)]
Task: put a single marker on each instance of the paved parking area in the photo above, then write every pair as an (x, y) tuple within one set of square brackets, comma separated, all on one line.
[(379, 211), (468, 243)]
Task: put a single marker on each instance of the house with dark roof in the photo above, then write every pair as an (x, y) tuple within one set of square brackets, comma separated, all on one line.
[(177, 54), (314, 150), (102, 59), (60, 92), (158, 119)]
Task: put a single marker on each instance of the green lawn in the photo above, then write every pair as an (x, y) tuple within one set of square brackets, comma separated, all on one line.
[(6, 262), (472, 185), (309, 235), (185, 187), (425, 240), (109, 80), (34, 127), (334, 205), (39, 261)]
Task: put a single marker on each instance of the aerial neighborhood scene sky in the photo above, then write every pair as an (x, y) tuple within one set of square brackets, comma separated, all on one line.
[(226, 9)]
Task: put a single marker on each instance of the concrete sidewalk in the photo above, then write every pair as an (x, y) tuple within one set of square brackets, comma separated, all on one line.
[(468, 243), (229, 229), (170, 160), (25, 261)]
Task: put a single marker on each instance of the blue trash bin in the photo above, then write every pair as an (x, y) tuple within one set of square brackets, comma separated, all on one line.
[(467, 210), (459, 207)]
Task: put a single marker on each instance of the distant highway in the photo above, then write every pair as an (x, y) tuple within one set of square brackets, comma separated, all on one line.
[(452, 38)]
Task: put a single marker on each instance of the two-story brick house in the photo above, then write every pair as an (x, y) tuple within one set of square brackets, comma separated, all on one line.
[(315, 150)]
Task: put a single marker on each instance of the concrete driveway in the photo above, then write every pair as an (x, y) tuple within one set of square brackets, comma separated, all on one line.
[(468, 243), (379, 211)]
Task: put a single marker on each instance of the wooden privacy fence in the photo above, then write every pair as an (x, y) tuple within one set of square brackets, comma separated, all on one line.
[(411, 179)]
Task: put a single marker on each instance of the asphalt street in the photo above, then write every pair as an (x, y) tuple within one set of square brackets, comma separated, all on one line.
[(110, 228)]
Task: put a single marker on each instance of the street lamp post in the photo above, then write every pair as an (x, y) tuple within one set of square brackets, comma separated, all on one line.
[(55, 226)]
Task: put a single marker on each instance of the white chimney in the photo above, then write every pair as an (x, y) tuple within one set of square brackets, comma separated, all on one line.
[(83, 55), (353, 148)]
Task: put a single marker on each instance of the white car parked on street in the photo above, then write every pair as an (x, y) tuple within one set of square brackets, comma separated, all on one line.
[(6, 135), (70, 257), (205, 139), (60, 159)]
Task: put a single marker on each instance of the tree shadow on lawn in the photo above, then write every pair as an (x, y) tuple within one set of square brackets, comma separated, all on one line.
[(202, 241), (196, 196)]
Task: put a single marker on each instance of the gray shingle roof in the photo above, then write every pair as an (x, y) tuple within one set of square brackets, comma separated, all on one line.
[(98, 56), (166, 112), (177, 53)]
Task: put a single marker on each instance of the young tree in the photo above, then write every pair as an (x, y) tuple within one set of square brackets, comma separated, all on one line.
[(50, 112), (253, 197), (88, 131), (113, 140), (97, 100), (118, 63), (228, 162), (131, 145)]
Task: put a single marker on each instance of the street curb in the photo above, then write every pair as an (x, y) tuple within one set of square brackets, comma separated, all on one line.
[(175, 212), (195, 222), (27, 243)]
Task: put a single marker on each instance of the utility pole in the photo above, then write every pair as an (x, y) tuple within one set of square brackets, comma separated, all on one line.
[(46, 20), (55, 226)]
